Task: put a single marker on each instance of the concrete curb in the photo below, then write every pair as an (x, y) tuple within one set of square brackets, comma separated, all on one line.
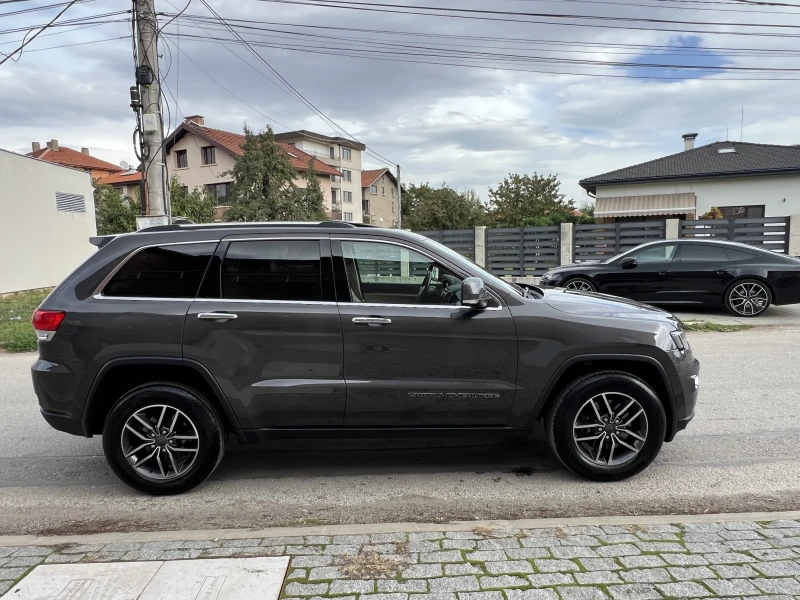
[(366, 529)]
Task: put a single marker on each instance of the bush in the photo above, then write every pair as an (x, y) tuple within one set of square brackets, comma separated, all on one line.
[(16, 310)]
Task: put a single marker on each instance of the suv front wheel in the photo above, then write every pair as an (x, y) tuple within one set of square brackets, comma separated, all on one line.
[(606, 426), (163, 438)]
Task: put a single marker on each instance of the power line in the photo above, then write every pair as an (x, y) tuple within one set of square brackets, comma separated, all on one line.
[(35, 35)]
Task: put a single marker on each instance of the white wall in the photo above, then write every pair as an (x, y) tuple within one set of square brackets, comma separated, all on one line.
[(41, 245), (769, 190)]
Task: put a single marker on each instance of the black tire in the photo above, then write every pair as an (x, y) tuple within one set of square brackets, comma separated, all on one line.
[(577, 283), (563, 415), (201, 415), (759, 304)]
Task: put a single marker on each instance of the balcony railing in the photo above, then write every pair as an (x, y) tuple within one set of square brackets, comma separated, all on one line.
[(319, 154)]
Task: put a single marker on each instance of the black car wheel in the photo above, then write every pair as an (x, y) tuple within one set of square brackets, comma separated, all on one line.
[(606, 426), (748, 298), (163, 438), (580, 284)]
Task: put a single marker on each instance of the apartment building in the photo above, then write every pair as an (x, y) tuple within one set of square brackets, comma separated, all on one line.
[(380, 198), (203, 157), (343, 155)]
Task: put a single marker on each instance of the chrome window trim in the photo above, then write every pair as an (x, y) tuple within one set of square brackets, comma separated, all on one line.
[(299, 302), (98, 292), (424, 253), (249, 301), (303, 238)]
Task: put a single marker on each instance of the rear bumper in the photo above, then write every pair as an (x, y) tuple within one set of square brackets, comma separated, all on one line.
[(61, 422)]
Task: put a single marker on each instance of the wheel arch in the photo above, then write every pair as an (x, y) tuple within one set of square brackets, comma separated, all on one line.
[(120, 375), (646, 368), (574, 276), (758, 278)]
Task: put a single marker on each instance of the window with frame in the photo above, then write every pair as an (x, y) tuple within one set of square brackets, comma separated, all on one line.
[(168, 271), (347, 197), (208, 155), (272, 270), (347, 175), (738, 255), (389, 274), (656, 254), (333, 152), (347, 154), (392, 191), (334, 197), (222, 192), (383, 190), (702, 253), (348, 216), (753, 211), (373, 189), (181, 159)]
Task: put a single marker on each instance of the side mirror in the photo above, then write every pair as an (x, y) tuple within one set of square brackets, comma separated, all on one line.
[(629, 262), (474, 294)]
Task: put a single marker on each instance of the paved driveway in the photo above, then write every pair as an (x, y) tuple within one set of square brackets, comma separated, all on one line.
[(739, 454), (775, 315)]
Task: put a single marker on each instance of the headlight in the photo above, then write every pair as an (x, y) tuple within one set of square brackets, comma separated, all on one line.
[(680, 341), (551, 276)]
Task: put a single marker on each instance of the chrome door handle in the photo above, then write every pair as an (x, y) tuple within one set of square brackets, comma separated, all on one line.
[(371, 321), (663, 272), (217, 316)]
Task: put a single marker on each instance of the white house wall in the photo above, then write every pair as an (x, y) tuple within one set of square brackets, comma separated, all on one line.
[(42, 245), (780, 194)]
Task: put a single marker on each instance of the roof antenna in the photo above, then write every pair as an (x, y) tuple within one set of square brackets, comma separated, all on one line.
[(741, 126)]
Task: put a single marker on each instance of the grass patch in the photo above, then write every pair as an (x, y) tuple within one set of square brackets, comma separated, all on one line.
[(706, 326), (16, 310), (369, 564)]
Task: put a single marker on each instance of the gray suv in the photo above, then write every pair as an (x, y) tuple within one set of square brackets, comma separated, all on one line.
[(167, 340)]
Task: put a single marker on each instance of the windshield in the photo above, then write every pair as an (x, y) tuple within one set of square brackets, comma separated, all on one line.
[(496, 281)]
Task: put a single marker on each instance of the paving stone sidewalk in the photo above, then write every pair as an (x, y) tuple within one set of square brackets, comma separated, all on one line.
[(723, 559)]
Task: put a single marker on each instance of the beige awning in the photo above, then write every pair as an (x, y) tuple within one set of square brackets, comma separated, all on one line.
[(636, 206)]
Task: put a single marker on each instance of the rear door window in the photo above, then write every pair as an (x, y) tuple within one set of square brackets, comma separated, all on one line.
[(288, 270), (702, 253), (167, 271)]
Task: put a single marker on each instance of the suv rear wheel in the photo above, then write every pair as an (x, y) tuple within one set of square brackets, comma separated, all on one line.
[(606, 426), (163, 438)]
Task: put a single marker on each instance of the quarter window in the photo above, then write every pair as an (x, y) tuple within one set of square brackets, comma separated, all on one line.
[(702, 253), (389, 274), (738, 255), (272, 270), (162, 272), (656, 254)]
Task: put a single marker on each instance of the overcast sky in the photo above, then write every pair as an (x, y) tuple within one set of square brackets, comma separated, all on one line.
[(463, 125)]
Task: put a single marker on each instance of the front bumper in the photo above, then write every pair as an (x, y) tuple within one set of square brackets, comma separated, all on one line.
[(549, 282)]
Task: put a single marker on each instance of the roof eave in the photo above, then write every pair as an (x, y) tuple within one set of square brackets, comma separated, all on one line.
[(591, 186)]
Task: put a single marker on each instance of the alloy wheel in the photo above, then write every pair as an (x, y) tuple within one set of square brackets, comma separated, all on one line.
[(579, 285), (610, 429), (749, 298), (160, 442)]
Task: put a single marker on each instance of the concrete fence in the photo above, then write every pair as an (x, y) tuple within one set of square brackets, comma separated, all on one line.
[(524, 253)]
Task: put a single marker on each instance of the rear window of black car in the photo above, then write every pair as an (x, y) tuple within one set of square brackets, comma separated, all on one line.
[(702, 253), (168, 271), (738, 255)]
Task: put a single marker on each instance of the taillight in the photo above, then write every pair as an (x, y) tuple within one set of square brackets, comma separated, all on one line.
[(46, 322)]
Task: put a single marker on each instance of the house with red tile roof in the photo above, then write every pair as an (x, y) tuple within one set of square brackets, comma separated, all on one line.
[(379, 197), (67, 157), (203, 157), (129, 182)]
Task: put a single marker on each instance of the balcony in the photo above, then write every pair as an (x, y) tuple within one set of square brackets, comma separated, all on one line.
[(323, 155)]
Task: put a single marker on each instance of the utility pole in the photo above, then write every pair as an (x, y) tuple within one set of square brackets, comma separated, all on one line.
[(151, 123), (399, 200)]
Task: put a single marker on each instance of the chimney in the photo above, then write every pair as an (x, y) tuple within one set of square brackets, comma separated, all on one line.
[(688, 141), (36, 146), (197, 119), (84, 151), (53, 145)]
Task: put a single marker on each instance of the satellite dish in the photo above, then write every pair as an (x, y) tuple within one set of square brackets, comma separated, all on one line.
[(124, 165), (381, 219)]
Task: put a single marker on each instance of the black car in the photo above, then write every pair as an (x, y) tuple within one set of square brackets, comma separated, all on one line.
[(167, 340), (743, 278)]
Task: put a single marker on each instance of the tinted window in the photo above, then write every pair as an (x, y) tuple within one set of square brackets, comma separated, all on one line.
[(656, 254), (738, 255), (162, 272), (389, 274), (272, 270), (703, 253)]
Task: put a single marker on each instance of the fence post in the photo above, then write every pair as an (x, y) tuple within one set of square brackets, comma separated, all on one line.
[(480, 246), (672, 230), (565, 254), (794, 235)]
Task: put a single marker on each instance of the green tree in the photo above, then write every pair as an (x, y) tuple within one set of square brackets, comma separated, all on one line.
[(198, 205), (587, 208), (426, 208), (529, 200), (265, 188), (114, 213), (311, 200)]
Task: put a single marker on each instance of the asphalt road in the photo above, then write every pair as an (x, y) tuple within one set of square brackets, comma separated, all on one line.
[(739, 454)]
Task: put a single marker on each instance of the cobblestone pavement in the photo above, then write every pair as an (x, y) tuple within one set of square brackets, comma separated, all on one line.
[(731, 559)]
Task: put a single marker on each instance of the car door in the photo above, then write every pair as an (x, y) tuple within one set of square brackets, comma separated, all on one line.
[(701, 274), (413, 356), (267, 328), (646, 280)]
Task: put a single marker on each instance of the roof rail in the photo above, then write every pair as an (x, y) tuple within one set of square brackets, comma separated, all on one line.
[(195, 226)]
